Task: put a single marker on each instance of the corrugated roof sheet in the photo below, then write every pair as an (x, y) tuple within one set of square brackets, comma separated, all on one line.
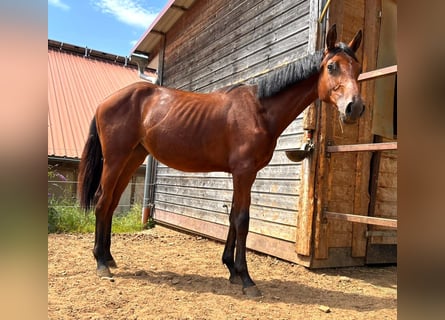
[(76, 85)]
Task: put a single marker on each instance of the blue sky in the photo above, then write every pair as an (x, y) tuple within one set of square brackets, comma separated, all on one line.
[(111, 26)]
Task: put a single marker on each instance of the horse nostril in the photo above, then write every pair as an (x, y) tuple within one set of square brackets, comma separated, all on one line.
[(348, 109), (363, 110)]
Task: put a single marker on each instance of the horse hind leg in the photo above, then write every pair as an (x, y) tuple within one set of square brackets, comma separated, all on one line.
[(136, 159), (110, 262), (115, 179)]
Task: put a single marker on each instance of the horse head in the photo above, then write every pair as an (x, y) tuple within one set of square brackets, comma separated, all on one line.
[(337, 82)]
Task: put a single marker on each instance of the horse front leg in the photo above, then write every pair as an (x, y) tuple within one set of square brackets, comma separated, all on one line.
[(228, 257), (240, 219), (242, 228)]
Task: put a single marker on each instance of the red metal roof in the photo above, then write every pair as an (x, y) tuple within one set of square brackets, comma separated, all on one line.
[(76, 85)]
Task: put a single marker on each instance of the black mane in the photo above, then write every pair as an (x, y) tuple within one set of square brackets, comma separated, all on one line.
[(288, 75)]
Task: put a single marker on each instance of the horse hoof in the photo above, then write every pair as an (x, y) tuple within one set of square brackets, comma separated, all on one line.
[(236, 280), (111, 264), (252, 292), (103, 272)]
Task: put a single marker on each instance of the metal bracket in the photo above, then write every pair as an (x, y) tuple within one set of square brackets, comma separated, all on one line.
[(328, 143)]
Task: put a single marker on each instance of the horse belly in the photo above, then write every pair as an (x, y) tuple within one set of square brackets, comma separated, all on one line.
[(190, 152)]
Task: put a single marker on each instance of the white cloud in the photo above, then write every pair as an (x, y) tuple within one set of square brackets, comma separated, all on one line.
[(59, 4), (131, 12)]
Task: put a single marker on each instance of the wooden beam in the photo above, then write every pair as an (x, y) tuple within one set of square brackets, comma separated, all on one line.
[(391, 223), (180, 8), (382, 72), (363, 147), (154, 31)]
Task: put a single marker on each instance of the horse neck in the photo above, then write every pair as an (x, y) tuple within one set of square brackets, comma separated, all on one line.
[(282, 108)]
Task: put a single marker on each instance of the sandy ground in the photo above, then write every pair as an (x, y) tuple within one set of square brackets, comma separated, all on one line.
[(165, 274)]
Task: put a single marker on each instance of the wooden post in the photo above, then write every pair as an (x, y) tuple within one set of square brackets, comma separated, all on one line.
[(307, 191), (321, 190), (361, 194)]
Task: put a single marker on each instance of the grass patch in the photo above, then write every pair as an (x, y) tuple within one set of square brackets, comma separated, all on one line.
[(65, 215), (69, 218)]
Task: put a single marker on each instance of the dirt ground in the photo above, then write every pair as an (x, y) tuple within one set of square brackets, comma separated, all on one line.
[(165, 274)]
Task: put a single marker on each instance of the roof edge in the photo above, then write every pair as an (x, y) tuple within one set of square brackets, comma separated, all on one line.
[(92, 53), (166, 19), (151, 28)]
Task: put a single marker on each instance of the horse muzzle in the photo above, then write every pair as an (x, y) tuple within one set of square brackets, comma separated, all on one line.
[(353, 111)]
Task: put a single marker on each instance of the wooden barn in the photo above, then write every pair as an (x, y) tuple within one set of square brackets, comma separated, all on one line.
[(335, 207)]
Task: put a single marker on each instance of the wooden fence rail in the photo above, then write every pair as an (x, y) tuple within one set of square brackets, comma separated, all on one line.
[(363, 147), (385, 222)]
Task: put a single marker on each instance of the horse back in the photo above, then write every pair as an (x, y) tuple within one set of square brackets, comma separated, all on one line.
[(199, 131)]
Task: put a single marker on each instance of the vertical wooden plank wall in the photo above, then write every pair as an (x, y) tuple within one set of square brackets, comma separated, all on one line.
[(342, 179), (218, 43)]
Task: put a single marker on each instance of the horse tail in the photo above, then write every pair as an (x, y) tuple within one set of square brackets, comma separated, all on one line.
[(90, 169)]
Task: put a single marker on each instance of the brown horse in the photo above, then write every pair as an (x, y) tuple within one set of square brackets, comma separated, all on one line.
[(233, 130)]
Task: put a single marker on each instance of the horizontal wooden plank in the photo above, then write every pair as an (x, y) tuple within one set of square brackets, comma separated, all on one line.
[(363, 147), (219, 214), (277, 200), (286, 142), (272, 229), (382, 72), (261, 185), (279, 157), (295, 127), (209, 199), (392, 223), (192, 181), (163, 170), (286, 171)]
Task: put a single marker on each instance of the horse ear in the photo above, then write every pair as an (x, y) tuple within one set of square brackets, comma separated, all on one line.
[(331, 38), (355, 43)]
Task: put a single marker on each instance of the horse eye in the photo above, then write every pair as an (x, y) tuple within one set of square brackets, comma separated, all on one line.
[(331, 67)]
